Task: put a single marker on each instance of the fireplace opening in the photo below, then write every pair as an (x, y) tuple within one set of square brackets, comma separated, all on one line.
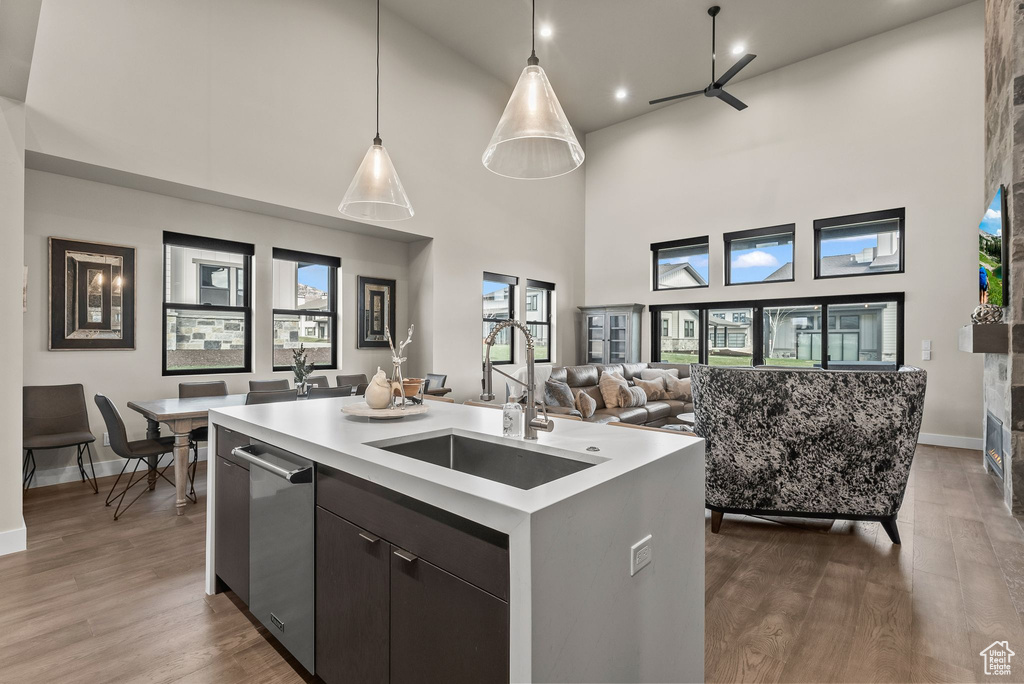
[(994, 445)]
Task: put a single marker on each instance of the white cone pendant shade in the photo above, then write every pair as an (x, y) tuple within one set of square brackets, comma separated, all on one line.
[(376, 193), (533, 139)]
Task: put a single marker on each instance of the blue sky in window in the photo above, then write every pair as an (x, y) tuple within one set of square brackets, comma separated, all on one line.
[(992, 223), (699, 262), (754, 265), (313, 275), (491, 286)]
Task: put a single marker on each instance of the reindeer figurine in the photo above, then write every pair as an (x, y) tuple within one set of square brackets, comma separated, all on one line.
[(397, 359)]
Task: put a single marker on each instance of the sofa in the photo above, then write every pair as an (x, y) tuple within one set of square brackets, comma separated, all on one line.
[(808, 443), (585, 378)]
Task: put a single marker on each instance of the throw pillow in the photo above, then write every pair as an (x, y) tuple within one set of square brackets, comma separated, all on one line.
[(632, 396), (558, 394), (585, 404), (658, 373), (678, 389), (610, 383), (654, 389)]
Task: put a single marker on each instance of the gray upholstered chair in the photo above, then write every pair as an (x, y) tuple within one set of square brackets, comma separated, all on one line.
[(270, 396), (434, 385), (821, 444), (149, 450), (55, 417), (328, 392), (357, 380), (268, 385), (361, 389), (187, 390), (318, 381)]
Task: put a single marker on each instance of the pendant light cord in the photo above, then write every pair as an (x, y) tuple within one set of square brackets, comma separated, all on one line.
[(533, 35), (377, 137)]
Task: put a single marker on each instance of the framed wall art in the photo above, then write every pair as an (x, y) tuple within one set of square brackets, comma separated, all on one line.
[(376, 310), (92, 296)]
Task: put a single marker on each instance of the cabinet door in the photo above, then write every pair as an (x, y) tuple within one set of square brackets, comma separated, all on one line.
[(595, 338), (618, 337), (232, 527), (442, 628), (352, 569)]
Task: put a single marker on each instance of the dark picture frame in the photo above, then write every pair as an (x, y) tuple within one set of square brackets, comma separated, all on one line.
[(376, 309), (92, 296)]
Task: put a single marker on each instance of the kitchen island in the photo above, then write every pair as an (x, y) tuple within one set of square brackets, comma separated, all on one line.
[(537, 558)]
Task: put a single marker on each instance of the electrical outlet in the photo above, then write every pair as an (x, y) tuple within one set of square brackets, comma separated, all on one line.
[(641, 554), (106, 439)]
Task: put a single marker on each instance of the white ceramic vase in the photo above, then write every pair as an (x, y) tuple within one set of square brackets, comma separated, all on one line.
[(378, 391)]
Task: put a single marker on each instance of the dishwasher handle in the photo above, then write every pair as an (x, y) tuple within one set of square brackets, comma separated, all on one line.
[(297, 476)]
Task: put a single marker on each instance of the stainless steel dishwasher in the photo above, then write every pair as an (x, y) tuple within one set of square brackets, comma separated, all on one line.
[(281, 546)]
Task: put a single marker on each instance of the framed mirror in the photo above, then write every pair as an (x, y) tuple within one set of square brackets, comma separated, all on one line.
[(376, 310), (92, 295)]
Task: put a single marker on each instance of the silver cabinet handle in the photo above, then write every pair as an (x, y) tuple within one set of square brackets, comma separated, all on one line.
[(369, 537), (405, 555), (296, 476)]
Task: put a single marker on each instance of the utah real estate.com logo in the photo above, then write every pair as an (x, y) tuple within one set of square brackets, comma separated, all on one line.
[(997, 658)]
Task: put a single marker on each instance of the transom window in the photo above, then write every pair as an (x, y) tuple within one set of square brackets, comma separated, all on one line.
[(539, 305), (680, 264), (762, 255), (305, 308), (860, 244)]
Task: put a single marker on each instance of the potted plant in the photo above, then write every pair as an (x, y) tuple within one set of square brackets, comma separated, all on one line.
[(301, 369)]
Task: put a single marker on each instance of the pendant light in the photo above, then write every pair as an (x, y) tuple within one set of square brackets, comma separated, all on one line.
[(376, 192), (533, 139)]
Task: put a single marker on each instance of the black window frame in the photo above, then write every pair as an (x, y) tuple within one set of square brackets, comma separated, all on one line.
[(854, 219), (333, 263), (671, 244), (757, 307), (244, 249), (767, 231), (549, 290), (512, 282)]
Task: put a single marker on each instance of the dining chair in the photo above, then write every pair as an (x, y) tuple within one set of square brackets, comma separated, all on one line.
[(187, 390), (55, 417), (361, 389), (268, 385), (270, 396), (149, 450), (435, 385), (318, 381), (355, 380), (329, 392), (435, 397)]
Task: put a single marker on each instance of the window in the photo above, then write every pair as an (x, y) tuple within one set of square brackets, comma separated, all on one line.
[(861, 244), (305, 308), (680, 264), (539, 305), (860, 332), (499, 296), (762, 255), (207, 319)]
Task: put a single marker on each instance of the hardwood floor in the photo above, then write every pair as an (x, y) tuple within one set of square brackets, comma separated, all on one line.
[(93, 600)]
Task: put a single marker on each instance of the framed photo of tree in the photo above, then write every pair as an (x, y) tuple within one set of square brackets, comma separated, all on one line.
[(376, 311)]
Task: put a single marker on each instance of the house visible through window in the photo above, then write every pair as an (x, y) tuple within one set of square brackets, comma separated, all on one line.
[(499, 295), (858, 245), (207, 317), (539, 306), (762, 255), (680, 264), (305, 308)]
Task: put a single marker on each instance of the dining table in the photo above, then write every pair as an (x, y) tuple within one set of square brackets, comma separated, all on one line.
[(181, 416)]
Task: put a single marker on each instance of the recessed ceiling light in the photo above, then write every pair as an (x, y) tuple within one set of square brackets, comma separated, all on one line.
[(546, 31), (621, 94), (738, 49)]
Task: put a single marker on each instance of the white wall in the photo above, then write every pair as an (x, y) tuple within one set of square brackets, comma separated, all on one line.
[(12, 236), (892, 121), (274, 101), (60, 206)]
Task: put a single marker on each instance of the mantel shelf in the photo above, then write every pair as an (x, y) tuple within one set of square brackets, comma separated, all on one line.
[(986, 338)]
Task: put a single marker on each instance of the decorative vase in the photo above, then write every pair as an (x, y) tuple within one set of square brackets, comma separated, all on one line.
[(378, 391), (987, 313)]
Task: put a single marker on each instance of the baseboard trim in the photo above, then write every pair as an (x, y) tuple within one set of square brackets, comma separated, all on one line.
[(13, 541), (53, 476), (951, 441)]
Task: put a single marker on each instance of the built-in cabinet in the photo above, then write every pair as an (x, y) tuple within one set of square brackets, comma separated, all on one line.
[(231, 523), (609, 334)]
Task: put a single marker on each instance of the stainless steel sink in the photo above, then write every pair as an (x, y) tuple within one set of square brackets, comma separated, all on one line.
[(506, 461)]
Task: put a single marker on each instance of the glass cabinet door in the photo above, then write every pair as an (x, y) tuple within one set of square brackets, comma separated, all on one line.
[(618, 337), (595, 338)]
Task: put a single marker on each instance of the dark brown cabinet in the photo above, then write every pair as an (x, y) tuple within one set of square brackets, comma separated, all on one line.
[(231, 526)]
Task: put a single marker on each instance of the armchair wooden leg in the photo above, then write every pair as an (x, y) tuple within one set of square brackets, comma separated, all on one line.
[(889, 525), (716, 521)]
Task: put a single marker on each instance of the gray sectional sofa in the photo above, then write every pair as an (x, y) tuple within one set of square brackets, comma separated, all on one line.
[(585, 378)]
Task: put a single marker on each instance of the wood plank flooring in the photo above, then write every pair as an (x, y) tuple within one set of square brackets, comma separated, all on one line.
[(93, 600)]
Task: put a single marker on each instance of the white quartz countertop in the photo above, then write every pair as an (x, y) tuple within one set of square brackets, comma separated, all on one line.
[(319, 431)]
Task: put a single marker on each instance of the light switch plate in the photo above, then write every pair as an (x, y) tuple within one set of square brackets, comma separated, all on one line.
[(926, 355), (926, 345), (641, 554), (106, 439)]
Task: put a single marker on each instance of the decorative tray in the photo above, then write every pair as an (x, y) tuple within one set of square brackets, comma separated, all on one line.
[(362, 410)]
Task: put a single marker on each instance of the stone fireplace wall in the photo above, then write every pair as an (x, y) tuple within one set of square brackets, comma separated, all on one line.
[(1004, 165)]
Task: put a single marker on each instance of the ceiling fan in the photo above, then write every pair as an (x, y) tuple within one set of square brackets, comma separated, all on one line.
[(714, 88)]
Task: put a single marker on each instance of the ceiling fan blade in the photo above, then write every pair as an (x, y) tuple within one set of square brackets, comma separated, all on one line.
[(727, 76), (729, 99), (675, 97)]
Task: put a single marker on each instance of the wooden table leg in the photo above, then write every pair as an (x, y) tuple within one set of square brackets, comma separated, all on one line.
[(152, 432), (180, 469)]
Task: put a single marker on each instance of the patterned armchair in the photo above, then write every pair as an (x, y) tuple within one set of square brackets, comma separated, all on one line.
[(825, 444)]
